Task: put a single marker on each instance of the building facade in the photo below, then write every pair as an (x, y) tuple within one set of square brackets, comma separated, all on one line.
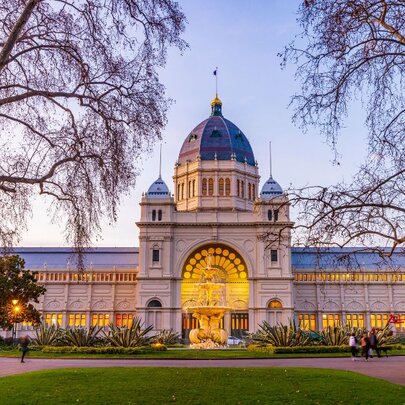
[(216, 215)]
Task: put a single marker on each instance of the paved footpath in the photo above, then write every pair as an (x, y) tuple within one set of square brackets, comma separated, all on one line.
[(391, 368)]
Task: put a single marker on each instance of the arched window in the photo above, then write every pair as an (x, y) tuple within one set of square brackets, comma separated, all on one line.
[(159, 215), (250, 191), (155, 304), (238, 188), (210, 186), (178, 192), (193, 188), (204, 187), (275, 304), (189, 189), (242, 185), (182, 191), (227, 187), (253, 191), (154, 314), (153, 215), (221, 187)]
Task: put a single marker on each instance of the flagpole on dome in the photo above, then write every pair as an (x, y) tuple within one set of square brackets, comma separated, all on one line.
[(216, 81)]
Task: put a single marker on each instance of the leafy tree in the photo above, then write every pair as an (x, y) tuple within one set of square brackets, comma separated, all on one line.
[(80, 102), (17, 283), (355, 50)]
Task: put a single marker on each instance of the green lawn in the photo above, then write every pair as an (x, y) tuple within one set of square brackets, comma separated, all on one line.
[(197, 386), (183, 354)]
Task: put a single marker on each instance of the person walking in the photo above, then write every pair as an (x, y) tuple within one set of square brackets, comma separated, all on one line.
[(365, 345), (24, 342), (353, 345), (374, 342)]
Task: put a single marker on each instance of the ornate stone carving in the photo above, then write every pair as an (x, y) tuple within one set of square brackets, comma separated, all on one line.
[(307, 306), (378, 306), (100, 305), (355, 306), (330, 306), (180, 245), (249, 245), (123, 305), (400, 306), (53, 305), (77, 305)]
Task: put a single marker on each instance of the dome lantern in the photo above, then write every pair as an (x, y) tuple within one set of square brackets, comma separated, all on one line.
[(216, 106)]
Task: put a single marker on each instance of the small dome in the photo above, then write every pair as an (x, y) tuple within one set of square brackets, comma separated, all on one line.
[(158, 189), (270, 189)]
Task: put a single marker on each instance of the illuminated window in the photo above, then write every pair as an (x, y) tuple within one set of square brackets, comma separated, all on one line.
[(221, 187), (100, 320), (330, 320), (123, 320), (53, 319), (379, 320), (275, 304), (307, 321), (227, 187), (210, 186), (77, 319), (204, 187), (355, 320)]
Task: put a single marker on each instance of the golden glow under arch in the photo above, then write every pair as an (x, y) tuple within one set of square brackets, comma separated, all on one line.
[(230, 264)]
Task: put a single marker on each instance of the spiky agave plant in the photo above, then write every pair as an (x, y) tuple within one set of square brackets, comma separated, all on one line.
[(134, 336), (281, 335), (167, 337), (80, 336), (45, 335), (385, 336)]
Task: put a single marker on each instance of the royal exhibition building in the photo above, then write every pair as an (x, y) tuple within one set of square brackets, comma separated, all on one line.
[(214, 220)]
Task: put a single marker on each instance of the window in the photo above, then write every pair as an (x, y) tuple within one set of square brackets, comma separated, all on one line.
[(53, 319), (182, 191), (204, 187), (178, 191), (355, 320), (275, 215), (221, 186), (307, 321), (253, 191), (250, 191), (379, 320), (238, 188), (153, 215), (101, 320), (155, 255), (154, 314), (123, 320), (77, 320), (275, 304), (210, 186), (330, 320), (193, 188), (269, 215), (189, 189), (227, 187), (155, 304), (159, 215), (242, 185), (274, 255)]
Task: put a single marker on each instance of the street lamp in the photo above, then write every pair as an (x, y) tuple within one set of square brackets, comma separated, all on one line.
[(16, 310)]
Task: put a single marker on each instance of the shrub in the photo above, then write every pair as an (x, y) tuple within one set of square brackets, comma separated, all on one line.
[(133, 336), (102, 350), (80, 336), (46, 335), (281, 335), (167, 337)]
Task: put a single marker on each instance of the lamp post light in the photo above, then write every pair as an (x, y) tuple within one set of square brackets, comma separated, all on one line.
[(16, 310)]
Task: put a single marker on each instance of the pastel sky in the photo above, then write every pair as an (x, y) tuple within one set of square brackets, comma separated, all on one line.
[(243, 39)]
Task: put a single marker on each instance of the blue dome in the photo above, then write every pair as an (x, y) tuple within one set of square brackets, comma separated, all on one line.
[(216, 138), (270, 189), (158, 189)]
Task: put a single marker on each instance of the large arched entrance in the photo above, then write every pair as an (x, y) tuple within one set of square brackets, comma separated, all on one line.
[(231, 270)]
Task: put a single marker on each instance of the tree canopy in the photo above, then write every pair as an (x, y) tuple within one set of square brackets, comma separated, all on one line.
[(354, 52), (17, 283), (80, 102)]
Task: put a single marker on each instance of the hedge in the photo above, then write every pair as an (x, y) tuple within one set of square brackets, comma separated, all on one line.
[(310, 349), (103, 349)]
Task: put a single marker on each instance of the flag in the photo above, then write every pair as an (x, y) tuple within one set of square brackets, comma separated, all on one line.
[(215, 72)]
